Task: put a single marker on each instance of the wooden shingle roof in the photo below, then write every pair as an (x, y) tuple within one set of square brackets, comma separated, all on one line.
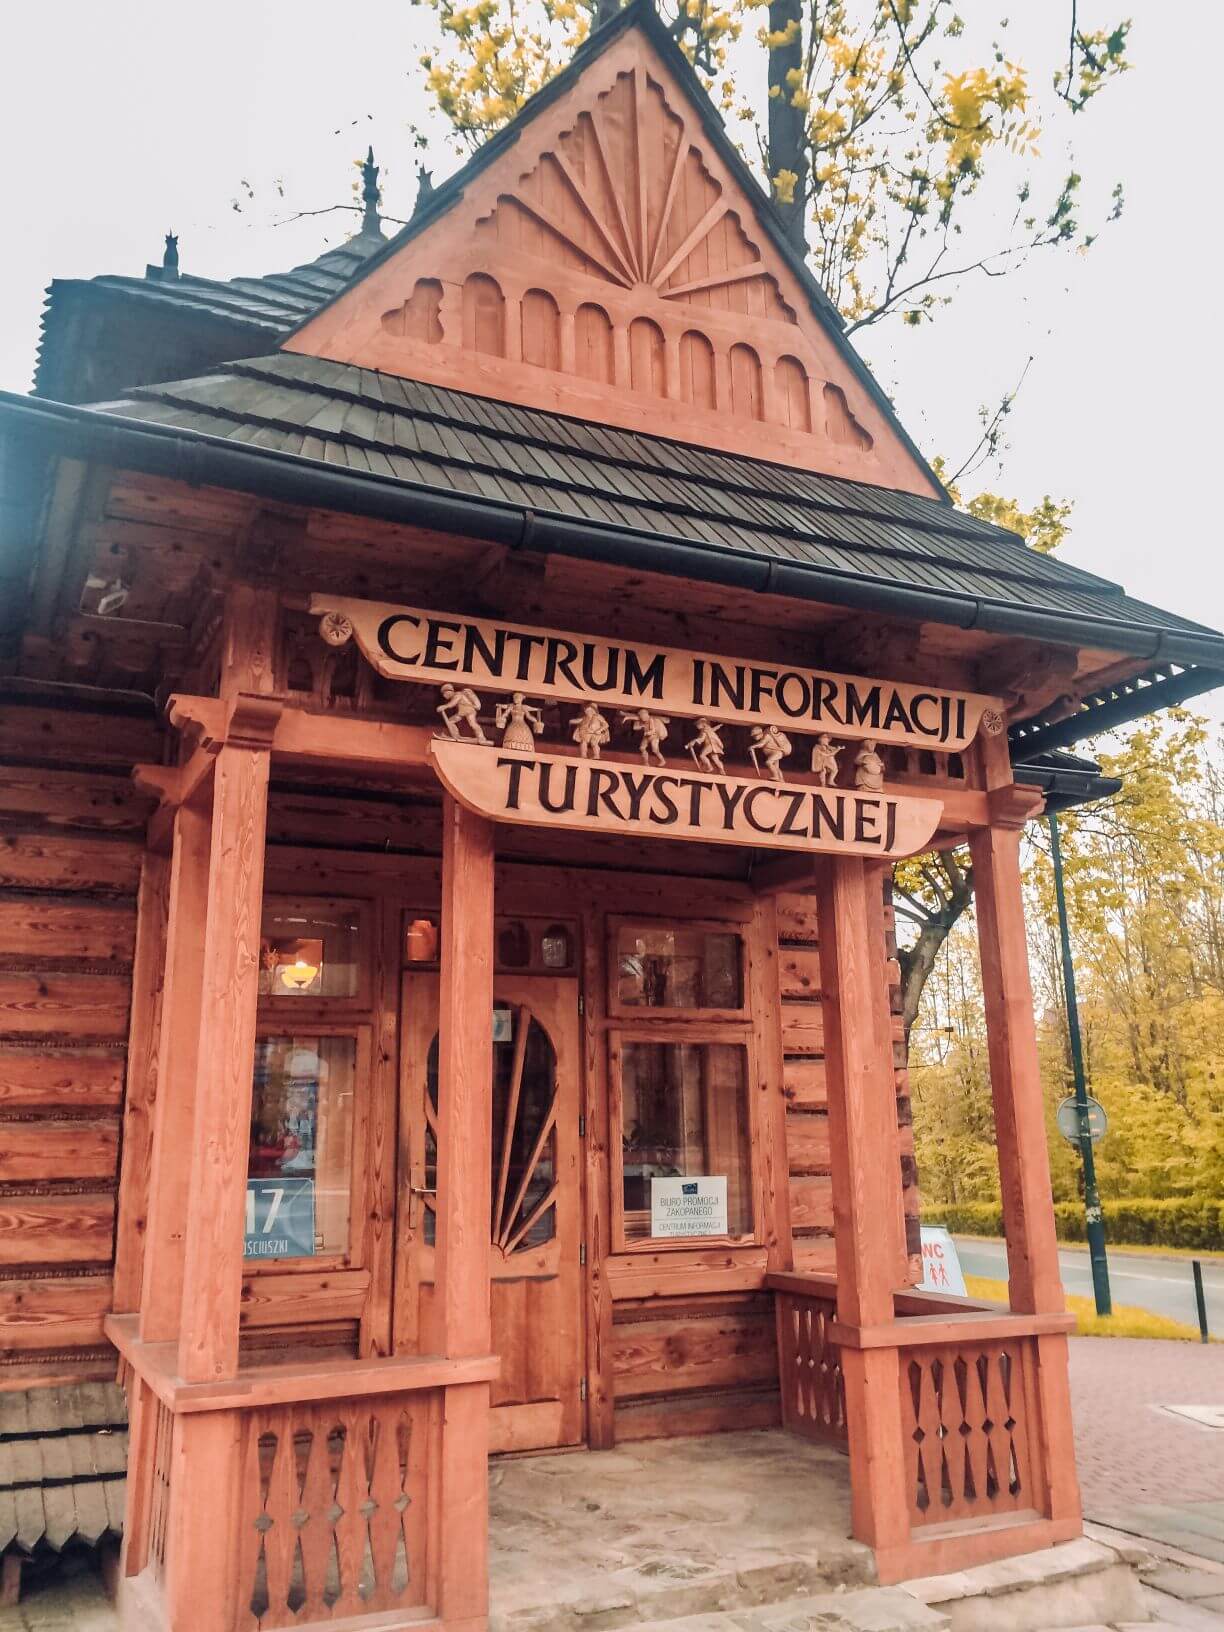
[(63, 1460), (442, 440)]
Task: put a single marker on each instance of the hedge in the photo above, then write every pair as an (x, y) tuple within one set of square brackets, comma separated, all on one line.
[(1180, 1221)]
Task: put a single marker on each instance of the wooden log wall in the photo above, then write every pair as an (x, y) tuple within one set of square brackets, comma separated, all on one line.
[(71, 846), (807, 1123)]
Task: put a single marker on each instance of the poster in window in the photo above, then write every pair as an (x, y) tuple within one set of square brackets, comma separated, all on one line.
[(692, 1206), (280, 1219)]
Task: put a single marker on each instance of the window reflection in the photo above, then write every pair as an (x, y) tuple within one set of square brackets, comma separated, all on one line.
[(678, 968)]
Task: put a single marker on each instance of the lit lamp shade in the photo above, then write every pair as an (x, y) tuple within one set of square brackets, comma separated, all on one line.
[(293, 966)]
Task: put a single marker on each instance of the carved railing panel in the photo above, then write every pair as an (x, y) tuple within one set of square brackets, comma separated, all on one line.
[(159, 1496), (969, 1430), (333, 1519), (809, 1369)]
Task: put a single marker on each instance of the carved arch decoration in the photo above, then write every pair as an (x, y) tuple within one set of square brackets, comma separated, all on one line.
[(608, 264)]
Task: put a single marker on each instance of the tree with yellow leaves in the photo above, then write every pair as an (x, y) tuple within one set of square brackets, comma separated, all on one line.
[(883, 121)]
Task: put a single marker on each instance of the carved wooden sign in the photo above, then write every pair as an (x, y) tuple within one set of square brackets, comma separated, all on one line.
[(406, 643), (553, 790)]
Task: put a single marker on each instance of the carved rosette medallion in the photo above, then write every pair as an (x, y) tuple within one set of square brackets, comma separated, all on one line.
[(335, 628), (992, 722)]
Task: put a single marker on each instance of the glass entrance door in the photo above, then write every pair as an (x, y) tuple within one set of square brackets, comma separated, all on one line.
[(535, 1217)]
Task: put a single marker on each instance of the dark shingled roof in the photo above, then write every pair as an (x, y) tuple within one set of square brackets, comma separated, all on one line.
[(63, 1460), (445, 440), (265, 308)]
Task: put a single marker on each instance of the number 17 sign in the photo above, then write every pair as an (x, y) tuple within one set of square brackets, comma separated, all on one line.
[(280, 1219)]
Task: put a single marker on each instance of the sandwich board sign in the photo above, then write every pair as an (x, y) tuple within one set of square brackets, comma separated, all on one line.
[(941, 1270)]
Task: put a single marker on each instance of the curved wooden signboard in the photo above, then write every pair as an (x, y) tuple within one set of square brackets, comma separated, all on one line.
[(555, 790), (407, 643)]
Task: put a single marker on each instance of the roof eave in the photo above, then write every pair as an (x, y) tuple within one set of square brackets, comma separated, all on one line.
[(203, 460)]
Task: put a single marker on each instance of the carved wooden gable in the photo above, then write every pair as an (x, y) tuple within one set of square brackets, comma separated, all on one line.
[(608, 265)]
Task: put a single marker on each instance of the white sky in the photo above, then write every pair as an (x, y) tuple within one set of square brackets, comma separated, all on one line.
[(121, 121)]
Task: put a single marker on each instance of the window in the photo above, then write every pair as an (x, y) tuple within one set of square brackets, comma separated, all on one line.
[(681, 1061), (689, 967), (310, 948), (684, 1117), (299, 1171)]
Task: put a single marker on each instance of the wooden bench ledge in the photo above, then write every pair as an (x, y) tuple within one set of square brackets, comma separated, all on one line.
[(257, 1386)]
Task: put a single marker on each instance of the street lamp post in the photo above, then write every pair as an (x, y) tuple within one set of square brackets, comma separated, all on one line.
[(1093, 1215)]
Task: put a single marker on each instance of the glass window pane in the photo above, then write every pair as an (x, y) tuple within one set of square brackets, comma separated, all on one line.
[(310, 947), (300, 1164), (557, 947), (678, 968), (685, 1116)]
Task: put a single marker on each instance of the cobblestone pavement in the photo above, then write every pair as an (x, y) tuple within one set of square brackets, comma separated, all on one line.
[(1130, 1452)]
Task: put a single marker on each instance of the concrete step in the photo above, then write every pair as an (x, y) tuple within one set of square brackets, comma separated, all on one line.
[(1081, 1586)]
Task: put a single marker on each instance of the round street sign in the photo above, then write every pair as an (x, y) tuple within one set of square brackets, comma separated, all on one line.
[(1094, 1116)]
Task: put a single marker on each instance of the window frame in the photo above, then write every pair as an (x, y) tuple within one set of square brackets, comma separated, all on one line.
[(309, 1021), (361, 1001), (737, 1034), (633, 1013)]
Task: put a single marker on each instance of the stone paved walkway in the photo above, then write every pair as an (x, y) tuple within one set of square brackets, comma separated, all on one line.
[(1130, 1451)]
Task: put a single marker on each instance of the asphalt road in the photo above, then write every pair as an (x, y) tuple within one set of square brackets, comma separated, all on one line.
[(1163, 1285)]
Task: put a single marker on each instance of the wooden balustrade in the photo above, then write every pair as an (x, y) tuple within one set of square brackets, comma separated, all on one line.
[(321, 1502), (974, 1443), (809, 1367), (968, 1414), (332, 1509)]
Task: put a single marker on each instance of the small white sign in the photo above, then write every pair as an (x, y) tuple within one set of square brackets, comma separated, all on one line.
[(688, 1206), (941, 1270), (503, 1025)]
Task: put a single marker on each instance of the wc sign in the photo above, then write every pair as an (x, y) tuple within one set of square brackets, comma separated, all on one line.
[(941, 1270)]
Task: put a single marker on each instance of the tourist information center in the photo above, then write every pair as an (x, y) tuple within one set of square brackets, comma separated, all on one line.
[(452, 766)]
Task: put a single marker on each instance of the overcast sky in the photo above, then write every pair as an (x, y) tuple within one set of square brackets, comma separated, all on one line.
[(119, 122)]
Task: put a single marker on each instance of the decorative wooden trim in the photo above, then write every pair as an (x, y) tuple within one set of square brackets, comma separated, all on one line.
[(920, 1331)]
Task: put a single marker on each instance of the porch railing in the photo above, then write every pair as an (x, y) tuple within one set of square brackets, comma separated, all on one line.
[(974, 1449), (313, 1490)]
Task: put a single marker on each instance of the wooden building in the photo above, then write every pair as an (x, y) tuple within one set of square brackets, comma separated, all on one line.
[(460, 702)]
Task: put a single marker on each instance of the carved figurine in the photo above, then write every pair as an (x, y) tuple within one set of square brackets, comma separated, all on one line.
[(591, 731), (651, 730), (868, 768), (460, 705), (519, 723), (706, 747), (824, 760), (769, 746)]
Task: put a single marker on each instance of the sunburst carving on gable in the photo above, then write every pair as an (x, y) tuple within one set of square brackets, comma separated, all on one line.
[(611, 266), (625, 197)]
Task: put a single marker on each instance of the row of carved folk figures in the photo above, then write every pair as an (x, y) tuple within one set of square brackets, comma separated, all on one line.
[(520, 723)]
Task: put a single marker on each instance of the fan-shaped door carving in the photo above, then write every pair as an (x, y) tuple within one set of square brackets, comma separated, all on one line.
[(535, 1213), (524, 1146)]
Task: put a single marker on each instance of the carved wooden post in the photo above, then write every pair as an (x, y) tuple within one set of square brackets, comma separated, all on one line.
[(212, 1275), (182, 993), (1034, 1277), (465, 1134), (862, 1125)]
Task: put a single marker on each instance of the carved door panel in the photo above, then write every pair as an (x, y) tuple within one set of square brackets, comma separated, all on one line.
[(535, 1225)]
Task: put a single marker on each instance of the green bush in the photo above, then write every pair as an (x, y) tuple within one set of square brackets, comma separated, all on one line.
[(1179, 1221)]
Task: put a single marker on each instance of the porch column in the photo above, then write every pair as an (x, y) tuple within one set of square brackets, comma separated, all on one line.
[(1034, 1278), (178, 1048), (462, 1321), (863, 1144), (212, 1269)]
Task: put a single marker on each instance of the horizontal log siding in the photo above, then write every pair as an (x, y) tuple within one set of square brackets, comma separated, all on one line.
[(807, 1123), (694, 1365), (71, 843)]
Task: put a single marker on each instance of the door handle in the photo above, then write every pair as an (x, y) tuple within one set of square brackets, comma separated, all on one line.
[(422, 1190)]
